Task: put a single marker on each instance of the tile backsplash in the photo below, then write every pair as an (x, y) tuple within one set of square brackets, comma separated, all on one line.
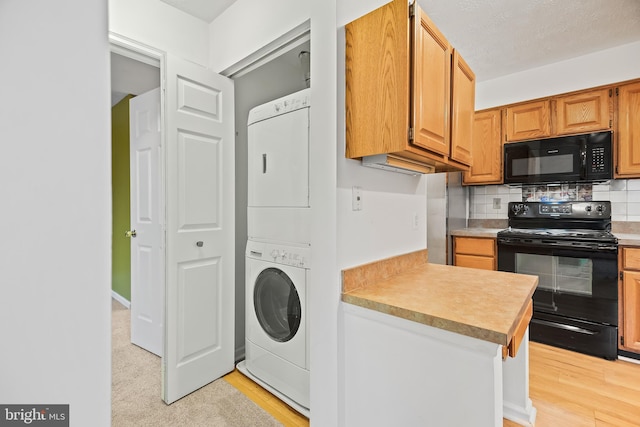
[(490, 201)]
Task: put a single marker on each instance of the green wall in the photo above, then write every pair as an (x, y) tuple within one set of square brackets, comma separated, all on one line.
[(121, 245)]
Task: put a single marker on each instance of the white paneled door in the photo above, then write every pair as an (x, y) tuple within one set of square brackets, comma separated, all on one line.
[(199, 332), (147, 266)]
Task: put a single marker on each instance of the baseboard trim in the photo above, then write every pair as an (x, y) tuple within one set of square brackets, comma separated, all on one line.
[(523, 416), (122, 300)]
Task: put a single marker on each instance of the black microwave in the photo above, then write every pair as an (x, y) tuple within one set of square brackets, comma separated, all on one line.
[(576, 158)]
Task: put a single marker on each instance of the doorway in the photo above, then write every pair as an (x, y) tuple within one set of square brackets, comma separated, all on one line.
[(256, 84), (130, 76)]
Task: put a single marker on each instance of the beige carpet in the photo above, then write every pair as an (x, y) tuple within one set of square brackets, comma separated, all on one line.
[(135, 391)]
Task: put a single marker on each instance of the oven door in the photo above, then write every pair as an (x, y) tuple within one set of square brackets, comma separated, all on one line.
[(575, 305), (574, 282)]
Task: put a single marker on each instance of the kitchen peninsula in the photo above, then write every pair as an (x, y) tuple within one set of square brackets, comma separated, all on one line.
[(424, 344)]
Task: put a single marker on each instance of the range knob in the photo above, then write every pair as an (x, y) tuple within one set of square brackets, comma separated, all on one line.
[(518, 208), (587, 208), (600, 208)]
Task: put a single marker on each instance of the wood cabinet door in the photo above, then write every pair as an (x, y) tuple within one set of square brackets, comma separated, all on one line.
[(377, 81), (583, 112), (463, 99), (486, 149), (628, 144), (631, 307), (528, 121), (431, 85)]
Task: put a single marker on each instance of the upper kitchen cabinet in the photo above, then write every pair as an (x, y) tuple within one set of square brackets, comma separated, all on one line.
[(487, 149), (583, 112), (431, 78), (628, 138), (463, 95), (577, 112), (409, 98), (529, 120)]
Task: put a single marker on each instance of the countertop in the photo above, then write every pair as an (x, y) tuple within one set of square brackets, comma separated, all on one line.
[(477, 303)]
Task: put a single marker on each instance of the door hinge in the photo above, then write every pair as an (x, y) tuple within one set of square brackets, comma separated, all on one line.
[(610, 93), (622, 275), (412, 10), (617, 170), (616, 91), (410, 134), (621, 340), (610, 123)]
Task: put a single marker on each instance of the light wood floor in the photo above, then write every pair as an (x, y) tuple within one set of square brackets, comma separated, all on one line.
[(576, 390), (568, 389)]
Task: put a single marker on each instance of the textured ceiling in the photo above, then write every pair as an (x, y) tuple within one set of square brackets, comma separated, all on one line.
[(500, 37)]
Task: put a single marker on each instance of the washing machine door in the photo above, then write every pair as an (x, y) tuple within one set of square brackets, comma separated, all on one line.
[(277, 304)]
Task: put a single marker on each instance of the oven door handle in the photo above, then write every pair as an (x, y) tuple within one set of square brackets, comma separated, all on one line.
[(563, 326)]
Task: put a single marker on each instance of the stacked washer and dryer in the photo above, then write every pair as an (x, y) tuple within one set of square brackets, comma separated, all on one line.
[(278, 254)]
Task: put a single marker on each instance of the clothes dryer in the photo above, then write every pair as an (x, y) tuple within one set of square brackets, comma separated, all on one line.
[(278, 198), (277, 322)]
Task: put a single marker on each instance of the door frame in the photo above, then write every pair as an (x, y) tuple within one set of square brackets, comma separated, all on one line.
[(139, 52)]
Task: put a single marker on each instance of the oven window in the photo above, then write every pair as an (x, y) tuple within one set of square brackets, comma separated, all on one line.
[(558, 274)]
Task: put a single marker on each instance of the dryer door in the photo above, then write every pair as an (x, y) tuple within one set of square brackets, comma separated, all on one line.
[(277, 305), (279, 161)]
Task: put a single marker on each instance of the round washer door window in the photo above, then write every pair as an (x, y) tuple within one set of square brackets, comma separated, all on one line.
[(277, 304)]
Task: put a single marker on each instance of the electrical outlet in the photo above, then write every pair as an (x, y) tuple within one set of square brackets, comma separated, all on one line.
[(496, 202), (414, 221), (356, 198)]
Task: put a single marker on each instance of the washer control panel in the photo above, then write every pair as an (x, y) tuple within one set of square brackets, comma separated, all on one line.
[(296, 256)]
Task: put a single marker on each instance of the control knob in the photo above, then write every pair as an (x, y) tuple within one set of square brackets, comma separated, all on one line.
[(518, 208)]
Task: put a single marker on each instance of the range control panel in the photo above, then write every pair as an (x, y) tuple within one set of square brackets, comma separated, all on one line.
[(575, 210)]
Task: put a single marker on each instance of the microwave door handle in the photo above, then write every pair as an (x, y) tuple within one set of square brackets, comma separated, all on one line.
[(583, 159)]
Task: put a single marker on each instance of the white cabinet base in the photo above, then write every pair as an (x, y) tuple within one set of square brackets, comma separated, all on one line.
[(398, 372)]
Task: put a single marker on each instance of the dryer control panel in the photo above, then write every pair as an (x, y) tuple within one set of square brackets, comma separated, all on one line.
[(296, 256)]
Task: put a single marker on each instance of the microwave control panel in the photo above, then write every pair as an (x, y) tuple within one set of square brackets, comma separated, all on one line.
[(598, 159)]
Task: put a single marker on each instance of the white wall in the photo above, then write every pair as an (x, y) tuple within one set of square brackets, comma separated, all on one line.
[(56, 217), (384, 227), (324, 292), (248, 25), (161, 26), (607, 66)]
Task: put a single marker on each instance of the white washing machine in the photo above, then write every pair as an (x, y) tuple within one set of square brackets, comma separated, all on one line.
[(277, 321), (278, 208)]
